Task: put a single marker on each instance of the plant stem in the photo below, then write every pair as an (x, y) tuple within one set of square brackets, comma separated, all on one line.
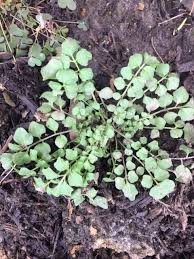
[(46, 138), (182, 158), (124, 93), (8, 173), (167, 109)]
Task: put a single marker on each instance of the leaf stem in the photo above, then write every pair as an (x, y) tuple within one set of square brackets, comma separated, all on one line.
[(129, 84), (46, 138), (167, 109)]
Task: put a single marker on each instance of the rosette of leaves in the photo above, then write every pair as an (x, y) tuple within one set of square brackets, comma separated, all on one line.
[(80, 125), (146, 101), (45, 151)]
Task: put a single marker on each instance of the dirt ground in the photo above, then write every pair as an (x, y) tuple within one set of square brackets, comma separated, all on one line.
[(36, 226)]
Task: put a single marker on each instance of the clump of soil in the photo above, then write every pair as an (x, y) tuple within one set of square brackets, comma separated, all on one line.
[(34, 225)]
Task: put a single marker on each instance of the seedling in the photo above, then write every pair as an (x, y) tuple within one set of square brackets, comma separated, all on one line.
[(79, 125)]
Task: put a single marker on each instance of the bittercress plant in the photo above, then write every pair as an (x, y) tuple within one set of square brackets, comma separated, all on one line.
[(77, 125)]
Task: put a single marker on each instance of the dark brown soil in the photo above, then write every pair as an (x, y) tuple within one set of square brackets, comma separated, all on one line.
[(36, 226)]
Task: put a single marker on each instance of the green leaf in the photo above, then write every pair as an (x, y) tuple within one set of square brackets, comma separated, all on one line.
[(147, 181), (161, 90), (135, 61), (71, 154), (162, 189), (130, 191), (117, 155), (119, 83), (75, 180), (119, 183), (176, 133), (22, 137), (143, 140), (147, 73), (170, 117), (186, 149), (153, 145), (33, 154), (140, 170), (71, 91), (43, 149), (165, 100), (152, 104), (155, 134), (116, 96), (39, 184), (100, 202), (37, 129), (189, 133), (150, 60), (61, 165), (60, 141), (83, 57), (150, 164), (165, 163), (88, 88), (70, 46), (159, 122), (6, 161), (58, 115), (49, 71), (91, 194), (62, 189), (173, 82), (86, 74), (126, 73), (67, 77), (118, 170), (183, 174), (66, 61), (132, 177), (186, 114), (180, 95), (21, 158), (130, 165), (142, 153), (14, 147), (25, 172), (45, 108), (160, 174), (162, 69), (77, 197), (52, 124), (50, 174), (49, 96), (106, 93)]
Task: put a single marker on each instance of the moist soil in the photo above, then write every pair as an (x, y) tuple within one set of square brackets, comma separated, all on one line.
[(36, 226)]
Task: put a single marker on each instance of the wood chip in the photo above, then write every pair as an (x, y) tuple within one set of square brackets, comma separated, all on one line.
[(78, 220), (93, 231), (141, 6), (74, 250), (8, 99), (70, 210)]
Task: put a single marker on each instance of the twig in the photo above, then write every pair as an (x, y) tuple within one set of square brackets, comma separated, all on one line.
[(4, 35), (182, 158), (152, 41), (8, 173), (171, 19), (4, 148)]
